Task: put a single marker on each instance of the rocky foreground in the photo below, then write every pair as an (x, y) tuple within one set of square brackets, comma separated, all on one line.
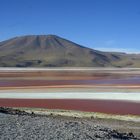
[(20, 125)]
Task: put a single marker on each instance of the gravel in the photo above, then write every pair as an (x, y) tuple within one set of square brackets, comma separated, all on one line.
[(32, 127)]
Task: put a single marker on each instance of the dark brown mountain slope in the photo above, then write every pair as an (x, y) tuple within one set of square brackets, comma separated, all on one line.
[(51, 50)]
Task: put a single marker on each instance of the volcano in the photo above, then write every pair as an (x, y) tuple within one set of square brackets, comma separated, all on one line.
[(54, 51)]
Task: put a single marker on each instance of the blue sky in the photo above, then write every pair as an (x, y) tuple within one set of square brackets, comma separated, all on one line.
[(109, 25)]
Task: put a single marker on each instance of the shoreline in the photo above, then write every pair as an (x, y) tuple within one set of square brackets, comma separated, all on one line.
[(68, 69), (78, 114)]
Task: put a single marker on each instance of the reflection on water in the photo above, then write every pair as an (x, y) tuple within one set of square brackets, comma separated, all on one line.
[(66, 78), (120, 81)]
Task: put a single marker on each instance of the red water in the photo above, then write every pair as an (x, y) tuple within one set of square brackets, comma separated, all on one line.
[(107, 106), (120, 81)]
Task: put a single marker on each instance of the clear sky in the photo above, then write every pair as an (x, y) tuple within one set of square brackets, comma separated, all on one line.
[(109, 25)]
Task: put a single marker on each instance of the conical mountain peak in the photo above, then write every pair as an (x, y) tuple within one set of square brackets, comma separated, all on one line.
[(52, 50)]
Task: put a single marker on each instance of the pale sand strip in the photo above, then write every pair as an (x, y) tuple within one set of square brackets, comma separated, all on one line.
[(109, 69), (81, 114), (67, 68), (73, 86), (133, 97)]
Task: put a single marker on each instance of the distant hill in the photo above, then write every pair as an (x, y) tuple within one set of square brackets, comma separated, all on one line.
[(54, 51)]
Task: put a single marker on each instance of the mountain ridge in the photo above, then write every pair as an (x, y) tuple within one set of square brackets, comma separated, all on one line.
[(54, 51)]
